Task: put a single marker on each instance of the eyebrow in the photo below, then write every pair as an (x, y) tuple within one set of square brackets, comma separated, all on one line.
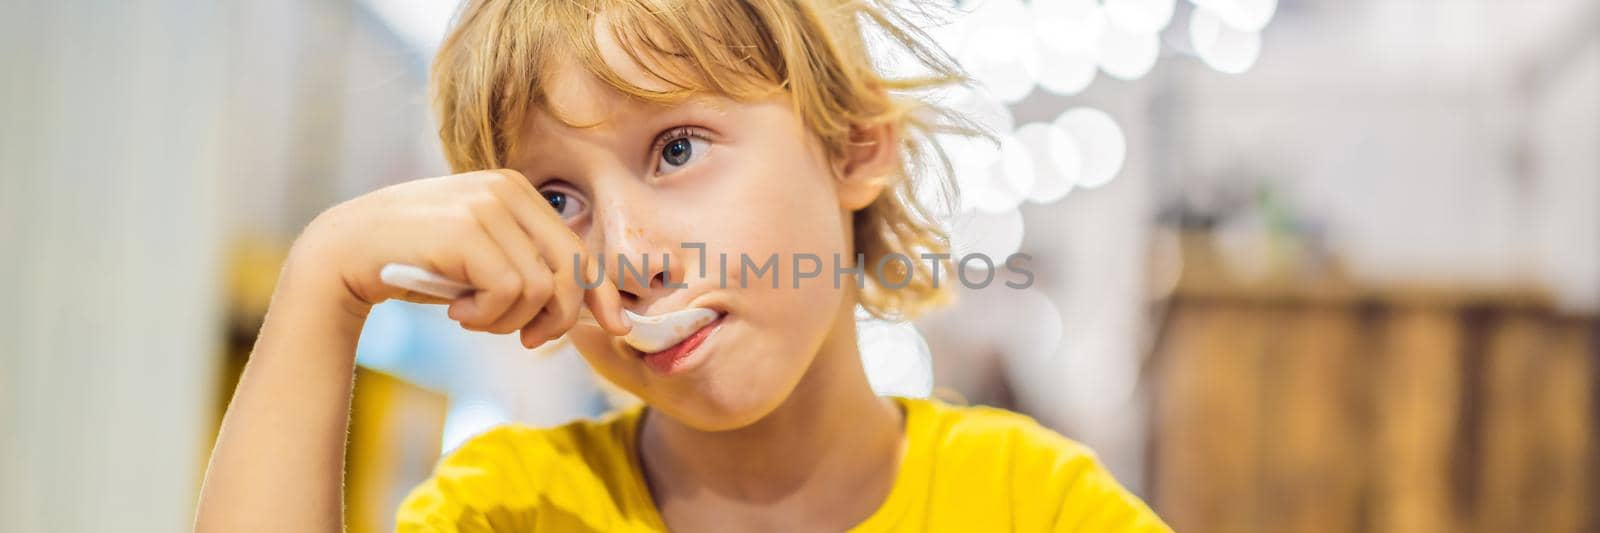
[(715, 104)]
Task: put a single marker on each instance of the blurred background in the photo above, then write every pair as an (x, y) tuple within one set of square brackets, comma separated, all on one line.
[(1301, 265)]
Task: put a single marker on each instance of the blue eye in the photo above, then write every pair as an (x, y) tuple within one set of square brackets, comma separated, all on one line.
[(680, 148), (677, 152), (564, 200), (557, 199)]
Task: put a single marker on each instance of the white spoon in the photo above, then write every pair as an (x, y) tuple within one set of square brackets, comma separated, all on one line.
[(650, 334)]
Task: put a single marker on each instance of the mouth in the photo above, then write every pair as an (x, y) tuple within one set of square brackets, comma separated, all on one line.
[(675, 358)]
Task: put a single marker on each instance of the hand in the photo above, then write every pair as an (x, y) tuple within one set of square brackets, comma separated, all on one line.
[(489, 229)]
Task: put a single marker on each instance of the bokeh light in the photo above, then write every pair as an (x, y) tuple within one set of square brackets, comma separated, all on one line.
[(1057, 161), (1141, 16), (1067, 34), (1101, 141), (1246, 15), (1127, 54), (896, 357), (1222, 46), (1010, 177), (1037, 328), (996, 235), (1001, 58)]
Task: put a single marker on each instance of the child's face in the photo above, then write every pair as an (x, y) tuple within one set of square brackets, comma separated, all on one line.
[(747, 180)]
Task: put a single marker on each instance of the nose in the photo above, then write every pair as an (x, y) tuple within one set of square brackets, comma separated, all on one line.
[(637, 253)]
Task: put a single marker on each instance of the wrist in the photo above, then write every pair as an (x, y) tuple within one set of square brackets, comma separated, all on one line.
[(310, 280)]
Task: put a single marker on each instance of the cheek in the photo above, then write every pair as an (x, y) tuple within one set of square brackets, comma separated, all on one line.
[(783, 205), (588, 341), (776, 201), (597, 350)]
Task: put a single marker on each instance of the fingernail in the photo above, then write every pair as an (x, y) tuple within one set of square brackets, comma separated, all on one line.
[(625, 321)]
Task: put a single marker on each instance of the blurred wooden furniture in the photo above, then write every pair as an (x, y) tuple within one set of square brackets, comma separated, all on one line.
[(1291, 404)]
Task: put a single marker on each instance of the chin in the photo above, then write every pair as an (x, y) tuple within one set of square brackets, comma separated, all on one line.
[(719, 408), (740, 376), (727, 389), (713, 400)]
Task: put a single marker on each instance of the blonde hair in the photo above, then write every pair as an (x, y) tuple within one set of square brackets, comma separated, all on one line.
[(489, 70)]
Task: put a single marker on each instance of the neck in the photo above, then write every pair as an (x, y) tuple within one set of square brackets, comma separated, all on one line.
[(831, 433)]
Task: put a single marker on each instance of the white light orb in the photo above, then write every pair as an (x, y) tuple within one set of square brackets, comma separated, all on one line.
[(1057, 161), (1066, 72), (1213, 4), (1221, 46), (985, 108), (1141, 16), (1011, 176), (970, 162), (950, 33), (896, 358), (1248, 15), (1067, 23), (1100, 142), (1002, 60), (996, 235), (968, 151), (1067, 37), (985, 189), (995, 11), (998, 56), (1128, 55), (1036, 328)]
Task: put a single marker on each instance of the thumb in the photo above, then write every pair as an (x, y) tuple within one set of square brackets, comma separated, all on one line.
[(604, 301)]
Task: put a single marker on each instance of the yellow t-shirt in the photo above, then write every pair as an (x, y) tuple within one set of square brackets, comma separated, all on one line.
[(964, 469)]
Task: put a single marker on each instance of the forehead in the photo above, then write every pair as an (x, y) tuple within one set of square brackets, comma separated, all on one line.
[(577, 105), (578, 96), (575, 98), (604, 64)]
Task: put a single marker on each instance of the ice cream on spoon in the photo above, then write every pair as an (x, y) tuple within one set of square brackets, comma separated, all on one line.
[(649, 334)]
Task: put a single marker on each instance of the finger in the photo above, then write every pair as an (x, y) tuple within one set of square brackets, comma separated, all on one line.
[(550, 233), (524, 256), (560, 314), (563, 251), (419, 298), (536, 296), (479, 261), (604, 302)]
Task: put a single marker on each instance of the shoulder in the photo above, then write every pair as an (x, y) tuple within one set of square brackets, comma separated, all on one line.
[(504, 478), (1051, 482), (987, 434)]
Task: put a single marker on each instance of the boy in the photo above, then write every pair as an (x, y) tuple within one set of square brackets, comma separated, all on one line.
[(588, 129)]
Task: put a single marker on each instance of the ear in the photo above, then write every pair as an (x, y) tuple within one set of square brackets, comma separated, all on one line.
[(872, 156)]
